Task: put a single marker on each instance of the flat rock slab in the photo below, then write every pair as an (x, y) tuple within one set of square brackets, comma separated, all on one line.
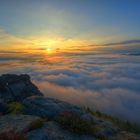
[(52, 131), (16, 123), (47, 107)]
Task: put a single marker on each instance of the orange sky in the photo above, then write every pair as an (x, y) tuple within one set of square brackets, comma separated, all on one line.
[(38, 43)]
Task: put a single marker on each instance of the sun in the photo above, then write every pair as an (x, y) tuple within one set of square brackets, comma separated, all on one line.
[(49, 50)]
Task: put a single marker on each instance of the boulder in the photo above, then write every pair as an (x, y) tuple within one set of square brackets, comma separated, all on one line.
[(16, 123), (52, 131), (16, 87), (47, 107)]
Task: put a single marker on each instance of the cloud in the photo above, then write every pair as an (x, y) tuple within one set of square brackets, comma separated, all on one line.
[(108, 82), (127, 42), (110, 87), (113, 101)]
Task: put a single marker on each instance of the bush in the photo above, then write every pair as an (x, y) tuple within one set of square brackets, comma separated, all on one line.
[(15, 107), (75, 123), (11, 136)]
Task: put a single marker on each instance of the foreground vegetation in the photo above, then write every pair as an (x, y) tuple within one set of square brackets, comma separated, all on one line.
[(15, 108), (75, 123)]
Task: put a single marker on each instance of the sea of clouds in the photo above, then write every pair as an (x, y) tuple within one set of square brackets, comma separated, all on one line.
[(106, 80)]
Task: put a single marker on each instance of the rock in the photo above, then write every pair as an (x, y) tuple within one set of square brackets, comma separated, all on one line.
[(47, 107), (16, 87), (3, 109), (16, 123), (103, 127), (106, 129), (52, 131), (88, 117), (127, 136)]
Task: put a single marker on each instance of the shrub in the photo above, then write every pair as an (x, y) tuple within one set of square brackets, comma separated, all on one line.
[(75, 123), (11, 136), (15, 107), (36, 124)]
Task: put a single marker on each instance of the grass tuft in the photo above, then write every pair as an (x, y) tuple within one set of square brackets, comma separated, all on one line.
[(15, 107)]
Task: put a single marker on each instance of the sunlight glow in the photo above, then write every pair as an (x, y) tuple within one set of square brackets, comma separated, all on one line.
[(49, 44), (49, 50)]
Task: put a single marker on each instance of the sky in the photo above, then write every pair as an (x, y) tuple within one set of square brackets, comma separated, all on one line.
[(61, 23)]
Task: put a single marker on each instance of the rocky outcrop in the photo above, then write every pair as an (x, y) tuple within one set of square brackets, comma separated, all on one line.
[(53, 131), (47, 107), (16, 87)]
